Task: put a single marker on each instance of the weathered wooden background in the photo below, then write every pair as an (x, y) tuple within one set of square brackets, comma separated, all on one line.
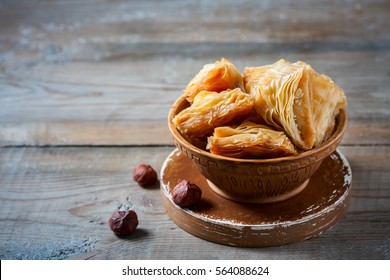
[(85, 88)]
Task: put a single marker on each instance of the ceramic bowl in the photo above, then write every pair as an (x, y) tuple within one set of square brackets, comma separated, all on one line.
[(256, 180)]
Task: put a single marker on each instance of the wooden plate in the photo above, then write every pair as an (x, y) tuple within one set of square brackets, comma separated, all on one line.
[(319, 206)]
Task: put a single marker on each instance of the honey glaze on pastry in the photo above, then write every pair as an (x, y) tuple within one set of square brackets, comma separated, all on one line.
[(294, 98), (213, 109), (287, 108), (250, 140), (219, 76)]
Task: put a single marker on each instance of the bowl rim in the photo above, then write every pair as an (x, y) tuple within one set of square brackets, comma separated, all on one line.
[(337, 135)]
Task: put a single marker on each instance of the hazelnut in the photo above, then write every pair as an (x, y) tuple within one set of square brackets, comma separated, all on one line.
[(144, 175), (123, 222), (186, 193)]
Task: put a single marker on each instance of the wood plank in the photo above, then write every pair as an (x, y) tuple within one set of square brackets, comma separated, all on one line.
[(68, 77), (55, 202), (105, 73), (176, 21), (125, 102)]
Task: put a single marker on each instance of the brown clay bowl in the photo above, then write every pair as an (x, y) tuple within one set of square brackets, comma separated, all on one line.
[(256, 180)]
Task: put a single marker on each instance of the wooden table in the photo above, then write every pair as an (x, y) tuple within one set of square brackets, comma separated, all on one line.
[(85, 88)]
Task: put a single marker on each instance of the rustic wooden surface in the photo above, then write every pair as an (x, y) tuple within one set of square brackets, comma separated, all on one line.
[(85, 88)]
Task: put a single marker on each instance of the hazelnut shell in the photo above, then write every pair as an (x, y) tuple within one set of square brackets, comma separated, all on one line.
[(144, 175), (186, 194), (123, 222)]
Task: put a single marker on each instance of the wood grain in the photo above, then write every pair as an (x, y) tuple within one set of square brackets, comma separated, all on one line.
[(69, 77), (117, 103), (85, 89), (167, 21), (48, 191)]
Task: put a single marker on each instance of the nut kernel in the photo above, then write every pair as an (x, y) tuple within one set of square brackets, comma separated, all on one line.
[(123, 222), (144, 175), (186, 194)]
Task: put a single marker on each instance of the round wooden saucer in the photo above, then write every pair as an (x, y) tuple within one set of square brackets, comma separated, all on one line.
[(319, 206)]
